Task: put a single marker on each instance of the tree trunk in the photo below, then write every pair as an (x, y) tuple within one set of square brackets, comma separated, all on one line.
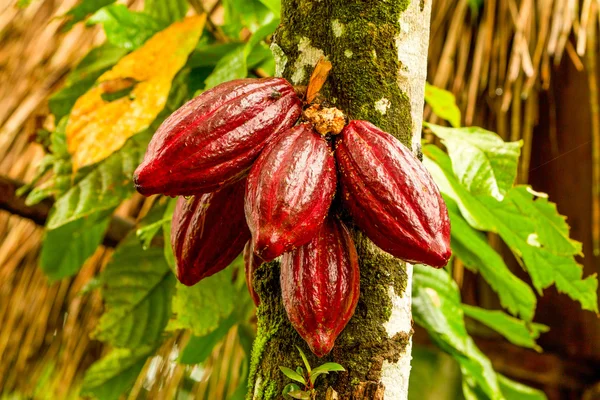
[(378, 49)]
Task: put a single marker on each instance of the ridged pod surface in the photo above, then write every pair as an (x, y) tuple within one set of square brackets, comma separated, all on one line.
[(213, 139), (251, 262), (391, 196), (320, 285), (289, 191), (208, 232)]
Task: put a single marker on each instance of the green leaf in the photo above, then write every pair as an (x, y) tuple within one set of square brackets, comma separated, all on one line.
[(273, 5), (209, 55), (39, 194), (304, 360), (115, 374), (261, 33), (290, 387), (259, 55), (83, 77), (152, 223), (517, 391), (551, 228), (532, 229), (482, 161), (202, 307), (96, 62), (429, 361), (60, 162), (137, 291), (440, 167), (437, 308), (232, 66), (324, 369), (82, 10), (199, 348), (517, 331), (251, 14), (166, 227), (65, 249), (125, 28), (62, 102), (329, 367), (167, 11), (146, 233), (472, 248), (443, 104), (45, 165), (293, 375), (103, 189), (267, 66)]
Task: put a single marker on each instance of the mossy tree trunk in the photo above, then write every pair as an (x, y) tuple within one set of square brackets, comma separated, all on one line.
[(378, 49)]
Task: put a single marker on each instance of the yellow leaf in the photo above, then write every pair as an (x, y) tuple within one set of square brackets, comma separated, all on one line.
[(99, 127)]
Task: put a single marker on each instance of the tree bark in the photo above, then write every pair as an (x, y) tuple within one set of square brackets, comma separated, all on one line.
[(378, 49)]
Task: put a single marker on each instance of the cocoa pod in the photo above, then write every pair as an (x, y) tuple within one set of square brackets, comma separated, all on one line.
[(208, 232), (212, 140), (320, 285), (251, 262), (391, 196), (289, 191)]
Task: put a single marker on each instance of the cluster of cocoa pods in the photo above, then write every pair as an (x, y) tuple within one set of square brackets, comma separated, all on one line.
[(262, 180)]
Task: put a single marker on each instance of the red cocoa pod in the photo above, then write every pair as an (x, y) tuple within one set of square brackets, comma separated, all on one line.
[(391, 196), (289, 191), (251, 262), (208, 232), (212, 140), (320, 285)]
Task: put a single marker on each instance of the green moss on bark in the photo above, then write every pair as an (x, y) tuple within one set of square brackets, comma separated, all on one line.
[(365, 30), (275, 340)]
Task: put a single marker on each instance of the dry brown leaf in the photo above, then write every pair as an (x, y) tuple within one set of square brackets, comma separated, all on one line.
[(317, 79), (97, 127)]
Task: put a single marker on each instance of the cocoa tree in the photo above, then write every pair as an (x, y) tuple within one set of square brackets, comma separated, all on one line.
[(378, 51), (112, 105)]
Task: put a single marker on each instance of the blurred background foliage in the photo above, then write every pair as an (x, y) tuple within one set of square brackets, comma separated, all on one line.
[(89, 304)]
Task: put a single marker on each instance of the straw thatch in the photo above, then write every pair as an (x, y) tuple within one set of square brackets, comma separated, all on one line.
[(43, 325)]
